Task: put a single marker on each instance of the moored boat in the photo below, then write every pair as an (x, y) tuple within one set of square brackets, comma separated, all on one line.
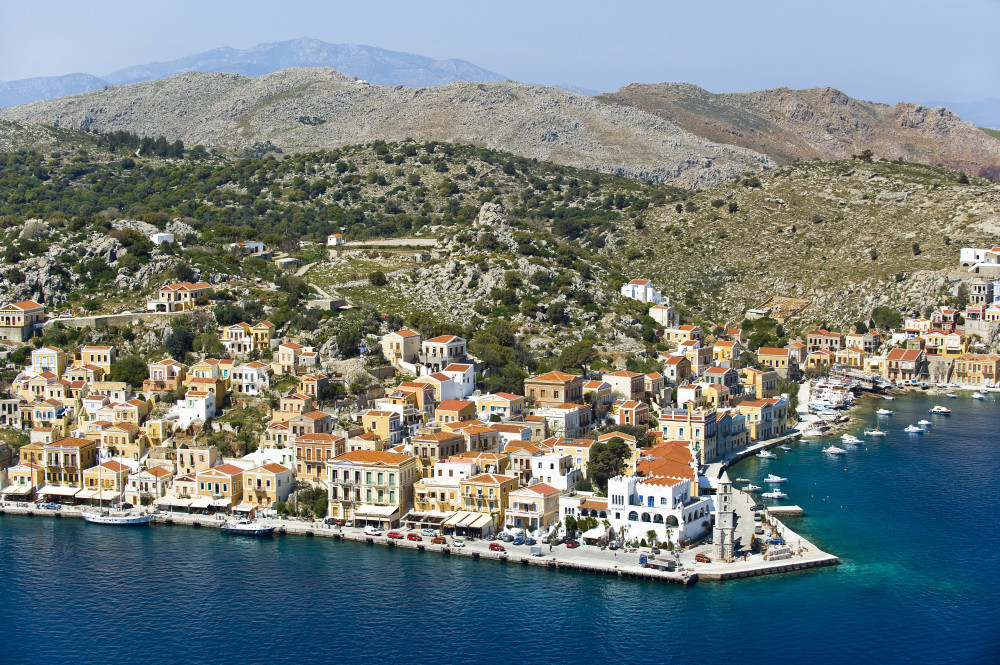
[(978, 395), (776, 494), (245, 527), (875, 432), (952, 395), (884, 412), (941, 410), (850, 438), (834, 450), (766, 455), (771, 478), (752, 488), (117, 518), (913, 429)]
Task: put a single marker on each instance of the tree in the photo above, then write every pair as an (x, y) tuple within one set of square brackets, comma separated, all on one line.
[(570, 526), (179, 342), (378, 278), (866, 156), (607, 460), (183, 272), (556, 312), (961, 300), (886, 318), (651, 534), (860, 327), (130, 369)]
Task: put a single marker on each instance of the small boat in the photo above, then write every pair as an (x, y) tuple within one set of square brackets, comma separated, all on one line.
[(245, 527), (875, 432), (814, 432), (952, 395), (766, 455), (771, 478), (752, 488), (834, 450), (884, 412), (978, 395), (913, 429), (941, 410), (850, 438), (924, 423), (742, 480), (776, 494), (888, 397), (786, 447), (117, 518)]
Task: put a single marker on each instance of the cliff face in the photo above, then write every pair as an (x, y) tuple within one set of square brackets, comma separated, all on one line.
[(821, 123), (300, 110)]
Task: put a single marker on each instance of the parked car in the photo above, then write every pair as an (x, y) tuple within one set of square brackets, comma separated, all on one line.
[(439, 540), (413, 536), (428, 532), (49, 506), (757, 517), (775, 541), (458, 541), (506, 537), (497, 547), (330, 521), (571, 544), (530, 541), (613, 545), (373, 531), (702, 558), (519, 540), (395, 535), (759, 530), (757, 507)]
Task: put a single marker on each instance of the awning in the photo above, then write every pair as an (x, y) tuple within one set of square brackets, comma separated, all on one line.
[(377, 511), (201, 502), (243, 507), (59, 490), (457, 518), (164, 500), (17, 490), (87, 494), (221, 503), (596, 532), (480, 522), (181, 502), (107, 495)]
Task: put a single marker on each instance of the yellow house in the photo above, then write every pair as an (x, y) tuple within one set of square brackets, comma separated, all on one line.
[(371, 487), (158, 431), (577, 449), (502, 405), (454, 410), (727, 353), (291, 406), (311, 384), (487, 493), (25, 478), (401, 346), (263, 333), (133, 411), (852, 356), (941, 343), (65, 461), (48, 359), (104, 481), (124, 440), (977, 369), (763, 383), (535, 507), (99, 356), (265, 485), (774, 358), (219, 487)]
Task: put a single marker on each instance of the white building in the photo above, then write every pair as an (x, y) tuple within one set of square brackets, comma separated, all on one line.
[(566, 420), (660, 504), (334, 240), (162, 238), (196, 405), (464, 376), (555, 470), (250, 378), (643, 291), (665, 315)]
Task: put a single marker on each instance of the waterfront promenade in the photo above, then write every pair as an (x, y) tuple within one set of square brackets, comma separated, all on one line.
[(586, 558)]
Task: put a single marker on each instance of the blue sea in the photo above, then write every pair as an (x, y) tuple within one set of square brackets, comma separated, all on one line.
[(913, 519)]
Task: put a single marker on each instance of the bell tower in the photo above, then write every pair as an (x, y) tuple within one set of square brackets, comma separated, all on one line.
[(724, 519)]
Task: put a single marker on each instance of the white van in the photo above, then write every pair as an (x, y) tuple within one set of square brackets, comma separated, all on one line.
[(428, 532), (373, 531)]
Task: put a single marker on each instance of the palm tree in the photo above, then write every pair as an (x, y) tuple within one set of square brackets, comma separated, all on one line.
[(651, 535)]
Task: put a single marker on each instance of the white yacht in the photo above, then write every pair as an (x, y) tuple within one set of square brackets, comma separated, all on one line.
[(771, 478), (884, 412), (834, 450), (952, 395), (913, 429), (978, 395), (776, 494), (766, 455), (117, 518), (888, 397), (850, 439), (923, 422), (875, 432), (246, 527), (941, 410), (752, 488)]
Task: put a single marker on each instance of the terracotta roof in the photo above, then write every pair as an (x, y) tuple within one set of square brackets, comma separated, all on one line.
[(22, 305), (114, 466), (274, 468), (595, 385), (554, 375), (543, 489), (508, 396), (435, 436), (622, 435), (291, 345), (454, 405), (315, 415), (771, 351), (457, 367), (595, 504), (624, 374), (228, 469), (664, 481), (158, 471), (372, 457), (442, 339), (639, 282), (490, 478), (71, 442)]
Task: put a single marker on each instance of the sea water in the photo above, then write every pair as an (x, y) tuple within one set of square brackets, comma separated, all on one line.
[(913, 519)]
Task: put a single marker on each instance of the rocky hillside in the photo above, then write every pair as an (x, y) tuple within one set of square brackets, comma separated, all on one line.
[(820, 123), (301, 110), (844, 236)]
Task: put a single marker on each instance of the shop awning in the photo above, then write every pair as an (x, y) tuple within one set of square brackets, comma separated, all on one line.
[(456, 518), (59, 490), (17, 490), (480, 522), (243, 507), (201, 502), (107, 495), (181, 502), (164, 500), (376, 511), (596, 533), (87, 494), (221, 503)]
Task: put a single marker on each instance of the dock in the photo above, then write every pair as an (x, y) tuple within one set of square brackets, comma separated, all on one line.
[(790, 511)]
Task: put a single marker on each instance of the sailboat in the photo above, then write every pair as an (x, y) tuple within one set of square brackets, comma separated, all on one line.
[(117, 517)]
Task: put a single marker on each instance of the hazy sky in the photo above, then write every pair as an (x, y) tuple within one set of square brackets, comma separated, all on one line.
[(892, 50)]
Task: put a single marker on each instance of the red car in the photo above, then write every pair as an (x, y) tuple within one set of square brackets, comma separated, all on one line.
[(413, 536), (395, 534), (572, 543), (497, 547)]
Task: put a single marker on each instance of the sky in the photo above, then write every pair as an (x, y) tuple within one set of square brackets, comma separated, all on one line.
[(879, 50)]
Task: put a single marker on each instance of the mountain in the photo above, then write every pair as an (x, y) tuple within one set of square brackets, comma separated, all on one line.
[(375, 65), (821, 123), (300, 110), (24, 91), (985, 113)]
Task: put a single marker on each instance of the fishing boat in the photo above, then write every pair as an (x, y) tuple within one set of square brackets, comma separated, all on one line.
[(913, 429), (850, 438), (941, 410), (978, 395), (766, 455), (752, 488), (776, 494), (834, 450), (924, 423), (884, 412), (117, 518), (875, 432), (247, 527), (771, 478)]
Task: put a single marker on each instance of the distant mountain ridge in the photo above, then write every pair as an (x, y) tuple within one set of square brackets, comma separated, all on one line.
[(303, 110), (376, 65), (823, 123)]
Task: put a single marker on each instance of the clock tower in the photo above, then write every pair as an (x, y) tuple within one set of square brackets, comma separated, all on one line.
[(724, 520)]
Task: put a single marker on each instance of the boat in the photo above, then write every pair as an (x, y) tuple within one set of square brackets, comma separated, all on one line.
[(941, 410), (875, 432), (834, 450), (752, 488), (952, 395), (913, 429), (117, 518), (776, 494), (850, 438), (814, 432), (742, 480), (766, 455), (888, 397), (978, 395), (771, 478), (786, 447), (924, 423), (247, 527), (884, 412)]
